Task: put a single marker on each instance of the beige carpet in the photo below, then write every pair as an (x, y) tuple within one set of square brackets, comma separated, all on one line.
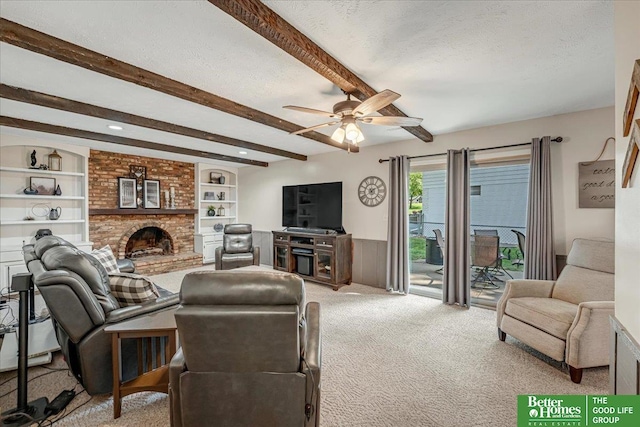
[(388, 360)]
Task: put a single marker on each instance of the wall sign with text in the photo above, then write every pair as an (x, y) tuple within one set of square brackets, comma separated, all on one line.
[(597, 184)]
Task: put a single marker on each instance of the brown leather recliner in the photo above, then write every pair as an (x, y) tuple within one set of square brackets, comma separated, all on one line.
[(76, 289), (237, 250), (251, 352)]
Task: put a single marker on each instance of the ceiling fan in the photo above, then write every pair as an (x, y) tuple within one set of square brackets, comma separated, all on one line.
[(349, 113)]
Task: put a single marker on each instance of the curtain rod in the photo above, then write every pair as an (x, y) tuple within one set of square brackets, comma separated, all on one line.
[(556, 139)]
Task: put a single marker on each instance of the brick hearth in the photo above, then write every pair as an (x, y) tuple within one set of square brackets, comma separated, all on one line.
[(115, 230)]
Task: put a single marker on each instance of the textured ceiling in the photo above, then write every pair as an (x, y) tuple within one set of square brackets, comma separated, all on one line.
[(459, 65)]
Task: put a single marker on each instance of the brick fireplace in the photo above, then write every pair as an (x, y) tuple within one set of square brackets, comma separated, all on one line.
[(163, 239), (147, 241)]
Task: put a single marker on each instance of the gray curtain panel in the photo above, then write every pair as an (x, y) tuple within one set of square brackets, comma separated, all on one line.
[(398, 227), (455, 286), (539, 253)]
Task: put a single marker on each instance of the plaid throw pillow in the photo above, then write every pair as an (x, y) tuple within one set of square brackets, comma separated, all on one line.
[(132, 289), (106, 257)]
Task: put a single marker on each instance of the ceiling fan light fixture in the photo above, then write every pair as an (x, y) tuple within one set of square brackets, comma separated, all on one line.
[(360, 137), (352, 131), (338, 135)]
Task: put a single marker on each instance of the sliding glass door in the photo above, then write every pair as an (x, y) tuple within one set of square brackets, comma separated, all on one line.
[(426, 226), (498, 209), (498, 213)]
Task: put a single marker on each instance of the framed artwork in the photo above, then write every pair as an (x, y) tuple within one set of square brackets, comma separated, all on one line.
[(151, 198), (631, 159), (127, 193), (214, 177), (45, 186), (632, 99)]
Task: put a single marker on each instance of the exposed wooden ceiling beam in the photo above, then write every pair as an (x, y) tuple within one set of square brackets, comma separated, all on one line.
[(64, 104), (44, 44), (120, 140), (264, 21)]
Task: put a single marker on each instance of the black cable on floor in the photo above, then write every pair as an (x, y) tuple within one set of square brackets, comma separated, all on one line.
[(65, 415)]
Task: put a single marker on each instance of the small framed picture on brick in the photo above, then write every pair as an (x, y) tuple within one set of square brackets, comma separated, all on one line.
[(151, 198), (127, 193)]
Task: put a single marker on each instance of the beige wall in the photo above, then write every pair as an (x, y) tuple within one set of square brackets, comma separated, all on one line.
[(627, 50), (260, 195)]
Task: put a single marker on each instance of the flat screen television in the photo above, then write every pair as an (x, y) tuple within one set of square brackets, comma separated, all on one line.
[(312, 206)]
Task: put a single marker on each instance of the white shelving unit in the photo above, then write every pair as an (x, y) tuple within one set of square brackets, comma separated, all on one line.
[(16, 207), (207, 239), (39, 197)]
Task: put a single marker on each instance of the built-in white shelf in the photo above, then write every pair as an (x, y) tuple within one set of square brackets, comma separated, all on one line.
[(45, 221), (37, 196), (207, 239), (218, 217), (40, 171), (217, 185)]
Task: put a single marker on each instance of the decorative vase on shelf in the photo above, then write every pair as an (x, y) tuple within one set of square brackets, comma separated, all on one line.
[(221, 179), (54, 214), (221, 211), (58, 191), (211, 211), (30, 191)]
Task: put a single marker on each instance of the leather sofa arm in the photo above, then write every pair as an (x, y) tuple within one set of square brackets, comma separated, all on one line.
[(219, 258), (523, 288), (311, 366), (313, 346), (125, 265), (125, 313), (176, 367), (588, 336), (256, 255)]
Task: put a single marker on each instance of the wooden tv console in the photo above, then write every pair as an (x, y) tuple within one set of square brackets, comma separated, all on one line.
[(323, 258)]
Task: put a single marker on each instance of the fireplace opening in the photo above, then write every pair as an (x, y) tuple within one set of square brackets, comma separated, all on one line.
[(148, 241)]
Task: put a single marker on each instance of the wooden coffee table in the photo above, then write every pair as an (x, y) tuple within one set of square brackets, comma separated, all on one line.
[(145, 329)]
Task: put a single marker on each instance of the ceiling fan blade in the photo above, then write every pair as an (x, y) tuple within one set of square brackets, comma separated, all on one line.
[(392, 121), (376, 102), (298, 132), (310, 111)]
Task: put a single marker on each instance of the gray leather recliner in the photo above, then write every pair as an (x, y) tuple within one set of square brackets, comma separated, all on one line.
[(237, 248), (251, 352), (76, 289)]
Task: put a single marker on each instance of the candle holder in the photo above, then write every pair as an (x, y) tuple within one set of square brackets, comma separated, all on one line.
[(173, 201)]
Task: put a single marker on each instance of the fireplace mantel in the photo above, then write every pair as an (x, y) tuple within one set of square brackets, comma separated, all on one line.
[(143, 211)]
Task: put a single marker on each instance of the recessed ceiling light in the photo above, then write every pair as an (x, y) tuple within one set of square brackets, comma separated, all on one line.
[(242, 152), (114, 127)]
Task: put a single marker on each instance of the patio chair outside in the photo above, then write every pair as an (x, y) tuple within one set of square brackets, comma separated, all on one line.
[(440, 241), (521, 239), (485, 251)]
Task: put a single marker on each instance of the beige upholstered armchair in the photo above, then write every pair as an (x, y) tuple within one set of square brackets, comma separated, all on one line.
[(566, 319), (251, 352)]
